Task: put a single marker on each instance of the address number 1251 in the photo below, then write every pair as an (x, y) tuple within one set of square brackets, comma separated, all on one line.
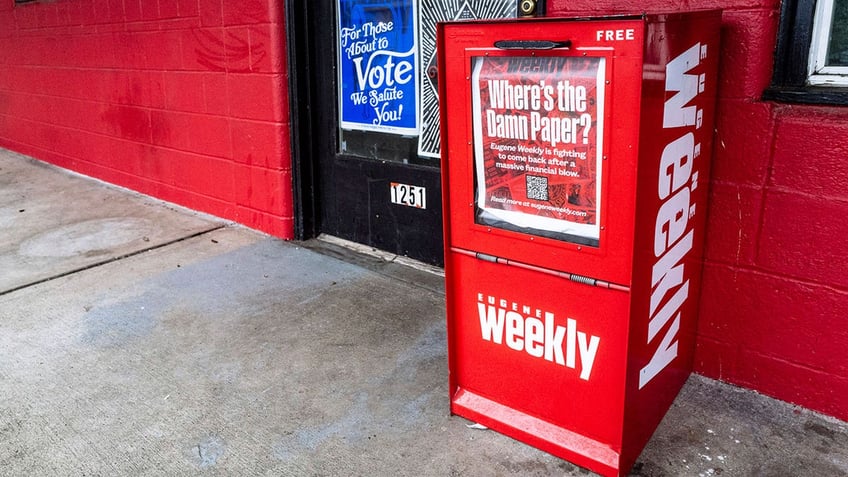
[(409, 195)]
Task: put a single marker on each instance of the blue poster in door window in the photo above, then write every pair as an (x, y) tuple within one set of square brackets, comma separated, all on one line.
[(378, 66)]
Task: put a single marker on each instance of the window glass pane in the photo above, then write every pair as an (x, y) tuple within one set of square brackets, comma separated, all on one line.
[(837, 53), (378, 78)]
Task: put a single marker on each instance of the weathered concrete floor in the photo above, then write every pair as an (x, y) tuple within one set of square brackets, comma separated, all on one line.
[(219, 351), (52, 222)]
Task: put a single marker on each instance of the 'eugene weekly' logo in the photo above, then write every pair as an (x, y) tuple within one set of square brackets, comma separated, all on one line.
[(673, 235), (535, 332)]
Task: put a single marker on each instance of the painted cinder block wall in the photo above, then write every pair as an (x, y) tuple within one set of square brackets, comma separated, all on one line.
[(774, 301), (184, 100)]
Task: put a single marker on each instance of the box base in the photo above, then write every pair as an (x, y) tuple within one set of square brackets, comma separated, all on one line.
[(575, 448)]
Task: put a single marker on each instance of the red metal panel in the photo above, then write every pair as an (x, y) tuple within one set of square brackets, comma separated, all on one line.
[(610, 259), (676, 124), (508, 325), (539, 357)]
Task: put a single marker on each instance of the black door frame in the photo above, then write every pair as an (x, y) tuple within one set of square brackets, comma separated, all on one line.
[(307, 215), (304, 84), (414, 232)]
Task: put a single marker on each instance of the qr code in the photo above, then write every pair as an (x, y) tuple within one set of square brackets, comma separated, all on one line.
[(537, 187)]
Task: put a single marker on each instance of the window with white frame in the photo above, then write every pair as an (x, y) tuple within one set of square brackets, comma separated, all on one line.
[(828, 63), (811, 58)]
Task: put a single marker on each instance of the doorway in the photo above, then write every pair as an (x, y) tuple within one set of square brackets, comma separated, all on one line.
[(365, 119)]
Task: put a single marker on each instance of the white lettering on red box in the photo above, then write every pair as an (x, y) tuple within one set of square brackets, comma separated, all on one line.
[(615, 35), (673, 231), (523, 328)]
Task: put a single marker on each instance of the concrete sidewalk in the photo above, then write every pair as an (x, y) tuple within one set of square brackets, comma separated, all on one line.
[(138, 338)]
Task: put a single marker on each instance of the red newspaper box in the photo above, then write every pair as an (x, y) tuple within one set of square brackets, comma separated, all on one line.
[(576, 157)]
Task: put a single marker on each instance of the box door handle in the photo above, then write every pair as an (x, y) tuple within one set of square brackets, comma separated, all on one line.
[(531, 44)]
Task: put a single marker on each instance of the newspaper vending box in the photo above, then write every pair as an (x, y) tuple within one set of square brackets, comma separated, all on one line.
[(576, 157)]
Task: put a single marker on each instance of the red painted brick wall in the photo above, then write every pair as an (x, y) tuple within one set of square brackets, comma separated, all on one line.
[(774, 302), (180, 99)]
